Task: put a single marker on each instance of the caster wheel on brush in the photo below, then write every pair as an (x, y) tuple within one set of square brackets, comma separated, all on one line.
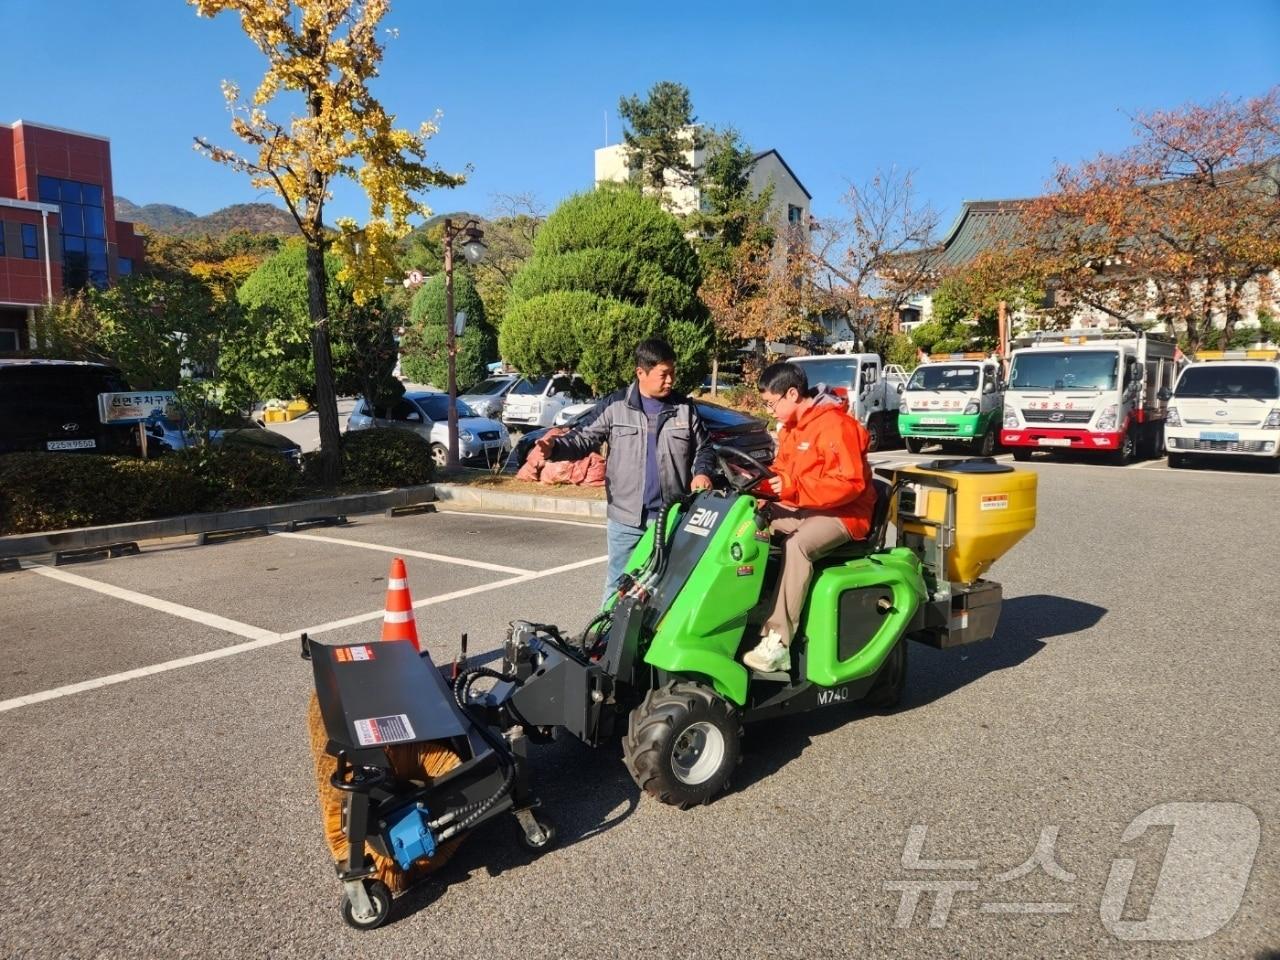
[(541, 839), (379, 902)]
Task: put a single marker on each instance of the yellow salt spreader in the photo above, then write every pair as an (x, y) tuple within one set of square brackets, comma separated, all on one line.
[(959, 517)]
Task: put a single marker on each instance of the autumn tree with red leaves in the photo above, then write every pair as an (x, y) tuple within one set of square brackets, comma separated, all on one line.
[(1184, 226)]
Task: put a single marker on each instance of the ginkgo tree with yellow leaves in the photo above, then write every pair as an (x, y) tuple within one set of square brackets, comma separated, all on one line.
[(321, 56)]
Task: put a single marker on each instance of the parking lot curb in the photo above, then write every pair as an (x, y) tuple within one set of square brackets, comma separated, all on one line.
[(474, 498), (193, 524)]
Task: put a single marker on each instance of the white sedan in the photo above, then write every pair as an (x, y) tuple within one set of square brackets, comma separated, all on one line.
[(480, 440)]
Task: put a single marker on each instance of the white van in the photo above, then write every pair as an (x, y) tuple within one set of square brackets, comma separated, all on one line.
[(1225, 405)]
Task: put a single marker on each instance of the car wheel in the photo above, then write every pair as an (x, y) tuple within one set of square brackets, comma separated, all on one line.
[(439, 455)]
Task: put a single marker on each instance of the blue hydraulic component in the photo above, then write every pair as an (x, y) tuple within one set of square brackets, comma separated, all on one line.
[(408, 836)]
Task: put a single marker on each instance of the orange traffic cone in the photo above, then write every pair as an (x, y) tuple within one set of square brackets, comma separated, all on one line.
[(398, 622)]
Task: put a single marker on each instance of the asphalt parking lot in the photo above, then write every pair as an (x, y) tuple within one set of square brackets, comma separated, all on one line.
[(159, 796)]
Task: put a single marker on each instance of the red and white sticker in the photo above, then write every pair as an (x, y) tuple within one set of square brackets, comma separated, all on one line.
[(380, 730), (995, 501), (353, 654)]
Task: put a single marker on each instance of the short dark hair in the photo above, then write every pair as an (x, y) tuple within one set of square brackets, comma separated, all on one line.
[(778, 378), (651, 352)]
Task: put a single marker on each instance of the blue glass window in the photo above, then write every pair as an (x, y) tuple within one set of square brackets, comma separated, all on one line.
[(1, 238), (73, 219), (30, 247), (124, 266), (94, 222), (83, 229)]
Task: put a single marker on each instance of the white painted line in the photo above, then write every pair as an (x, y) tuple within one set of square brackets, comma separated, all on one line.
[(260, 638), (405, 552), (520, 517), (155, 603)]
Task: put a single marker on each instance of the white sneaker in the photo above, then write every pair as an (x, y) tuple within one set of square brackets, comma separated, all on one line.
[(769, 656)]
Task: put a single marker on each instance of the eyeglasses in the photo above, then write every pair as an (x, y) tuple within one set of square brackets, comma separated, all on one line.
[(771, 404)]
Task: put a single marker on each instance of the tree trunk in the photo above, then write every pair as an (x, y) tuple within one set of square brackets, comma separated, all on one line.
[(326, 399)]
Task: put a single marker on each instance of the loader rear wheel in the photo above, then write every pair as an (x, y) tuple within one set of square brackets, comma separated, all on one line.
[(886, 693), (682, 744)]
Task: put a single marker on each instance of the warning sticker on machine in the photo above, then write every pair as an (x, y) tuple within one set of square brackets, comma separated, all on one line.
[(350, 654), (393, 729), (995, 501)]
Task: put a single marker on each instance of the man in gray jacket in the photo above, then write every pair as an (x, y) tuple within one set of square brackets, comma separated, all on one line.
[(658, 449)]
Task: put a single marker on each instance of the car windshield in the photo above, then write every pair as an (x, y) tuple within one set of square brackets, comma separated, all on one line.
[(436, 407), (1081, 370), (833, 371), (1225, 382), (944, 378), (531, 386), (488, 387)]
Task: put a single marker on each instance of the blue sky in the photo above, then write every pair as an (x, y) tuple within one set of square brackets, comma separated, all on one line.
[(980, 99)]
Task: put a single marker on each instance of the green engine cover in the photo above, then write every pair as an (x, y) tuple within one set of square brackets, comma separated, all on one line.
[(857, 611)]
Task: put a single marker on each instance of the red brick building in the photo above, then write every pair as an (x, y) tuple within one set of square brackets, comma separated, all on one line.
[(58, 229)]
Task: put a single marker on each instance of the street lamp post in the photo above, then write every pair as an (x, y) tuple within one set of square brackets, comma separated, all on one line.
[(473, 249)]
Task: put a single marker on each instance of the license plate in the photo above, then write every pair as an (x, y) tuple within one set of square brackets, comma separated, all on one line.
[(71, 444), (932, 422), (1054, 442), (1218, 435)]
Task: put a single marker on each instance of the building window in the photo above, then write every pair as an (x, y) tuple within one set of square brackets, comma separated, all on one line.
[(794, 213), (30, 248), (8, 341), (83, 229), (124, 266), (1, 238)]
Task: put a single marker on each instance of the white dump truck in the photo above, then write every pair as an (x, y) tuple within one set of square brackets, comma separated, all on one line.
[(1226, 405), (870, 388), (1094, 391)]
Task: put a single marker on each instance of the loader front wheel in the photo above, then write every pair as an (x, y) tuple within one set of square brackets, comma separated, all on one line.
[(682, 744)]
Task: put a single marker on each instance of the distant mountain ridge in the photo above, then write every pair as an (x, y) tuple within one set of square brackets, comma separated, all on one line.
[(167, 218)]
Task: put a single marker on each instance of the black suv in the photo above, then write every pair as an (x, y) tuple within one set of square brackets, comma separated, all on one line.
[(53, 405)]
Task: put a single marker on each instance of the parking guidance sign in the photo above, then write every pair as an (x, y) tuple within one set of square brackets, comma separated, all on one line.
[(138, 406)]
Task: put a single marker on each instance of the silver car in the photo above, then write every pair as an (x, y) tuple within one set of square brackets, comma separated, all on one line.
[(486, 397), (480, 440)]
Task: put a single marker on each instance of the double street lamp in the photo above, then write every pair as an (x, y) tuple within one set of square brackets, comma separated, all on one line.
[(473, 250)]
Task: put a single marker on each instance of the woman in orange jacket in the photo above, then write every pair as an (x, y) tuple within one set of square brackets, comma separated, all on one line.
[(826, 497)]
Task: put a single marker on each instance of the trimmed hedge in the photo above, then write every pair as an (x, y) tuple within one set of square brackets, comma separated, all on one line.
[(56, 491), (386, 458)]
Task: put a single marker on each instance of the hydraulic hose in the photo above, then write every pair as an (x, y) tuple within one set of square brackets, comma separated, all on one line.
[(461, 690)]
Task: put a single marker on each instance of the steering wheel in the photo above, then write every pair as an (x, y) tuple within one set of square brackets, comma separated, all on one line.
[(742, 471)]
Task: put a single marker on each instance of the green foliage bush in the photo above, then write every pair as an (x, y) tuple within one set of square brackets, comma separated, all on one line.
[(422, 349), (55, 491), (609, 268), (386, 458), (236, 477)]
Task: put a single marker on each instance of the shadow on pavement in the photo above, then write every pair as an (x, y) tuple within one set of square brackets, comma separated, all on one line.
[(1026, 623)]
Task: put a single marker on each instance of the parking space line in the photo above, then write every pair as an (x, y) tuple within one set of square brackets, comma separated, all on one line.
[(260, 638), (405, 552), (224, 624)]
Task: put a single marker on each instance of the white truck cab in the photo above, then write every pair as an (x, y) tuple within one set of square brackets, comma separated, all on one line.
[(1226, 405), (1094, 391), (870, 388)]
